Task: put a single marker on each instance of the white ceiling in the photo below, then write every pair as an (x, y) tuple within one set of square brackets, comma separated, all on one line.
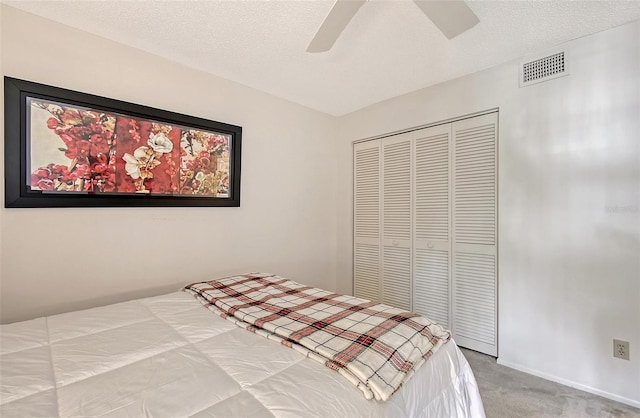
[(389, 48)]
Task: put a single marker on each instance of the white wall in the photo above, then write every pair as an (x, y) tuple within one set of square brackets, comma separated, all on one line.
[(569, 198), (56, 260)]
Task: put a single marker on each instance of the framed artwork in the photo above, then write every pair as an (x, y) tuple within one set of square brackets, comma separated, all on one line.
[(64, 149)]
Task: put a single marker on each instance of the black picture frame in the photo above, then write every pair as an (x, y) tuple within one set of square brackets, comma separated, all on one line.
[(18, 94)]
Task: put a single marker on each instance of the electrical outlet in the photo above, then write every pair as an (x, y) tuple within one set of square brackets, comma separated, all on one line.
[(621, 349)]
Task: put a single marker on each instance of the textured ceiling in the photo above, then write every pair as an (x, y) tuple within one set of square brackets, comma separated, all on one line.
[(389, 48)]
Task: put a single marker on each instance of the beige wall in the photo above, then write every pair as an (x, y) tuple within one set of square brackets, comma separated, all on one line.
[(56, 260), (569, 193)]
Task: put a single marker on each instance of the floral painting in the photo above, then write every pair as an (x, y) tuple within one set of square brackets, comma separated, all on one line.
[(204, 163), (76, 149)]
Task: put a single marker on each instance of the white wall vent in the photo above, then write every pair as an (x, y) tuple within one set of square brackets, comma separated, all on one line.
[(544, 68)]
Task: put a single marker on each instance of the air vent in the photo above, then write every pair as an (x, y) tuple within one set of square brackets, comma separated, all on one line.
[(552, 66)]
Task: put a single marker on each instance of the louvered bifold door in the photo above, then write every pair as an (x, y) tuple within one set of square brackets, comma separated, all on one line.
[(396, 221), (366, 179), (431, 245), (474, 249)]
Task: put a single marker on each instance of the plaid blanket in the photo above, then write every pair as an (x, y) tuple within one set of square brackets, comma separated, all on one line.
[(375, 346)]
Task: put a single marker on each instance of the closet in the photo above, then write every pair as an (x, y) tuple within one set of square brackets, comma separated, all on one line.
[(425, 225)]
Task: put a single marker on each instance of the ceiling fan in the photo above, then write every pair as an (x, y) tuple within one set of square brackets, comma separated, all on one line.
[(452, 17)]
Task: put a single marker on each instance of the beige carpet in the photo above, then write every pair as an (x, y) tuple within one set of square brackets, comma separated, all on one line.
[(509, 393)]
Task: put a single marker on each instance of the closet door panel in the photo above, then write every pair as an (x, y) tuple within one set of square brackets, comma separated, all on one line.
[(474, 225), (431, 249), (431, 284), (367, 198), (396, 221), (396, 277), (475, 297), (366, 280)]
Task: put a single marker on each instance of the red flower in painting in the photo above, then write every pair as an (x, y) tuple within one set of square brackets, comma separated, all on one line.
[(83, 145), (71, 152), (102, 159), (52, 123), (83, 171), (46, 184), (61, 173), (97, 139), (99, 168), (43, 172), (101, 148)]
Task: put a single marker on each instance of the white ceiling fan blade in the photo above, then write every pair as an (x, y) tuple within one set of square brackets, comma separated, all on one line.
[(333, 25), (452, 17)]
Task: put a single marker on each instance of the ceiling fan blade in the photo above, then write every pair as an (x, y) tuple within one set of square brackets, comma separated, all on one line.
[(452, 17), (333, 25)]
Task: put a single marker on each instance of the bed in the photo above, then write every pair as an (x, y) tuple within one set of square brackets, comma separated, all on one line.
[(169, 356)]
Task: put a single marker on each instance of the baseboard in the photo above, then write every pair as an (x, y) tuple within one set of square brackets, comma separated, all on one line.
[(570, 383)]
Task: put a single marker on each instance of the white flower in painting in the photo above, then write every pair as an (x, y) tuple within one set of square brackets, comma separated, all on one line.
[(141, 153), (131, 165), (160, 143), (134, 161), (54, 109)]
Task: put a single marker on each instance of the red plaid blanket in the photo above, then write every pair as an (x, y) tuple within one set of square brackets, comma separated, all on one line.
[(375, 346)]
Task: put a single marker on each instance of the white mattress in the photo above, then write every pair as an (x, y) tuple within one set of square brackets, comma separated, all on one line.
[(168, 356)]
